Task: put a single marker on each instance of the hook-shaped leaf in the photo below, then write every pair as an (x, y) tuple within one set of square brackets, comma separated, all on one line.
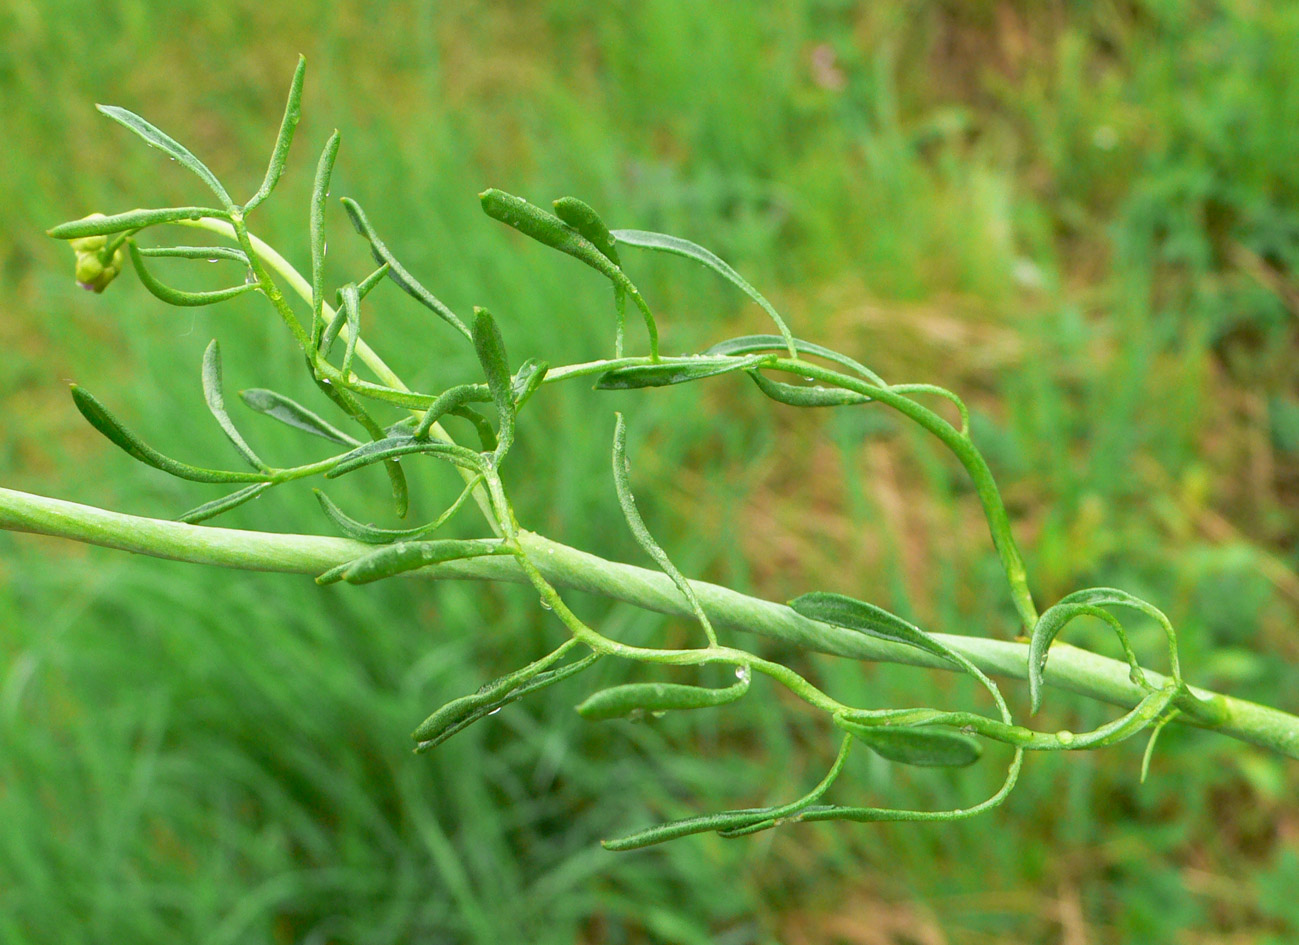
[(180, 297), (163, 142), (210, 253), (397, 273), (527, 379), (216, 402), (280, 153), (394, 447), (841, 610), (1089, 602), (664, 243), (372, 535), (107, 424), (450, 399)]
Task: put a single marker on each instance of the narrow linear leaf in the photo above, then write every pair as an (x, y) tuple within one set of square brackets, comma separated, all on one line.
[(397, 273), (797, 395), (180, 297), (99, 225), (725, 822), (392, 468), (748, 344), (163, 142), (459, 714), (216, 402), (927, 747), (283, 140), (490, 348), (369, 282), (210, 253), (675, 372), (487, 441), (550, 230), (372, 535), (224, 504), (352, 306), (841, 610), (409, 556), (619, 702), (291, 412), (579, 215), (316, 230), (395, 447), (664, 243), (627, 501), (107, 424)]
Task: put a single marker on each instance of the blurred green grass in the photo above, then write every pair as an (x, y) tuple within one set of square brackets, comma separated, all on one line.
[(1083, 217)]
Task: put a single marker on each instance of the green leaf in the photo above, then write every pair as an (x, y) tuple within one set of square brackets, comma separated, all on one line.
[(410, 556), (398, 446), (490, 348), (316, 230), (210, 253), (107, 424), (369, 282), (627, 501), (646, 698), (550, 230), (664, 243), (280, 153), (216, 402), (180, 297), (163, 142), (675, 372), (397, 273), (99, 225), (224, 504), (294, 414), (842, 611), (449, 400), (748, 344), (925, 746), (527, 379), (797, 395), (587, 222), (352, 306), (1089, 602), (459, 714), (372, 535)]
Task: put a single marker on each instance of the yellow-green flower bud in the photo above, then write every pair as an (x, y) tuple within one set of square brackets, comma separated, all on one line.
[(92, 272)]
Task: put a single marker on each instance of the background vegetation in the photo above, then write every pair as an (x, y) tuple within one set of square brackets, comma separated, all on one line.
[(1084, 217)]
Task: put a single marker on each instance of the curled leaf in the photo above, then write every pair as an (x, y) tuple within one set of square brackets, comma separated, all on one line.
[(796, 395), (216, 402), (586, 221), (99, 225), (409, 556), (397, 446), (372, 535), (180, 297), (224, 504)]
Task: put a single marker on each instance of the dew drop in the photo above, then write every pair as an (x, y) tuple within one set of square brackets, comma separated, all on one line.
[(742, 673), (967, 729), (495, 710), (1066, 737), (213, 259), (545, 604), (658, 714)]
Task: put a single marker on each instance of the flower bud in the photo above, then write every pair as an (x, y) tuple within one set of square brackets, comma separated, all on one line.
[(92, 273)]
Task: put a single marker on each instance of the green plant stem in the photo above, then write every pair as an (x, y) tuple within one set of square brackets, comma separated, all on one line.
[(1070, 668)]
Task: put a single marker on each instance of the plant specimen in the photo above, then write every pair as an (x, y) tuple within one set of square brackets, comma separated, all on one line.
[(391, 423)]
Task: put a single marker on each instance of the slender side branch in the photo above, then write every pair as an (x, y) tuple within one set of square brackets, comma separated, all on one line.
[(1071, 668)]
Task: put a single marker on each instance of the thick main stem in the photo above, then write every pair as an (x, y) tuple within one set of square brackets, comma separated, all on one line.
[(1070, 668)]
